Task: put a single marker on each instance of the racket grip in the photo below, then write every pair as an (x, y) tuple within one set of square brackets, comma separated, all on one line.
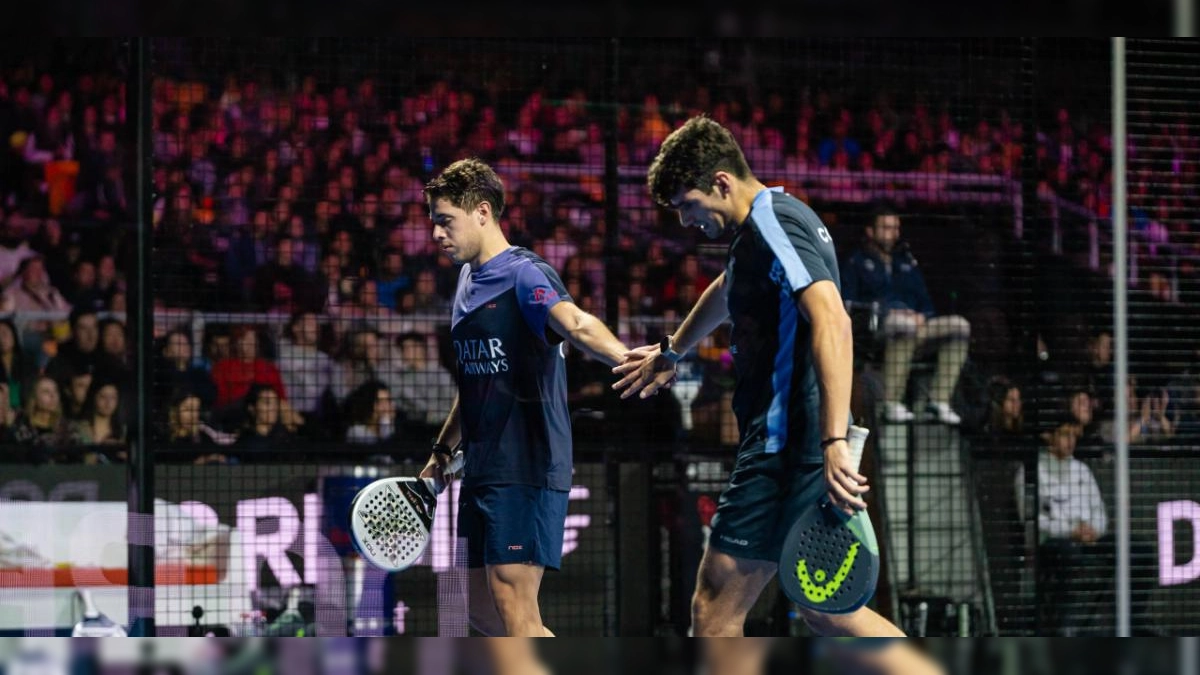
[(455, 465), (856, 438)]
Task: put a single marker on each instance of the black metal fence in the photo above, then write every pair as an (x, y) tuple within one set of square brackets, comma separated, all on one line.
[(253, 207)]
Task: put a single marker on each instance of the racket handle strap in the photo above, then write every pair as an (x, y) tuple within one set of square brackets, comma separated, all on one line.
[(856, 438)]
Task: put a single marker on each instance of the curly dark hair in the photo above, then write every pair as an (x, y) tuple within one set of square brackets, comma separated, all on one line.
[(691, 156), (466, 184)]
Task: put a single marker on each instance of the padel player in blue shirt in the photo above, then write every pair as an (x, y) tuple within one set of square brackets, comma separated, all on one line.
[(793, 355), (511, 314)]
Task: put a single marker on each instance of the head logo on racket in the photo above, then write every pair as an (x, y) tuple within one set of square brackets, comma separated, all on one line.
[(820, 593)]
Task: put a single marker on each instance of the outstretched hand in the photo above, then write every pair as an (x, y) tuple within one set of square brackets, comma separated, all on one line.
[(644, 370)]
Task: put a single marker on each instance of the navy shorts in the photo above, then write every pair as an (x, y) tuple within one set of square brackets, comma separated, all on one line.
[(765, 495), (505, 524)]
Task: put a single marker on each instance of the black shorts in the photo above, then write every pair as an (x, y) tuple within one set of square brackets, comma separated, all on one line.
[(765, 495), (506, 524)]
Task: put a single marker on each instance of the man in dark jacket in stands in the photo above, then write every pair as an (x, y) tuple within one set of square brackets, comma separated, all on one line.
[(884, 271)]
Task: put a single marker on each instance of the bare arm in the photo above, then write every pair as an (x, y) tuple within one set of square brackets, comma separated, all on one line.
[(643, 370), (586, 332), (708, 313), (450, 435), (833, 358)]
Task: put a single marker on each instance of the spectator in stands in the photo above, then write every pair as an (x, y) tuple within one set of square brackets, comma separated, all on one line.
[(16, 364), (263, 430), (75, 389), (308, 373), (235, 375), (1081, 411), (1006, 427), (101, 422), (370, 414), (425, 297), (1098, 372), (112, 341), (424, 388), (1076, 551), (8, 413), (249, 251), (1150, 423), (281, 285), (176, 371), (186, 431), (1071, 516), (364, 362), (84, 291), (884, 271), (364, 303), (31, 291), (392, 278), (41, 424), (82, 351)]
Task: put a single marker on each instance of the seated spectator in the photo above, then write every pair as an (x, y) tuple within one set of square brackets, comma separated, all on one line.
[(363, 363), (1150, 423), (8, 414), (282, 285), (263, 431), (17, 366), (884, 271), (41, 424), (187, 432), (218, 345), (112, 341), (235, 375), (82, 351), (76, 388), (424, 388), (1005, 427), (370, 414), (392, 278), (101, 423), (1098, 372), (32, 291), (308, 373), (175, 370), (1081, 411), (84, 291), (1075, 549)]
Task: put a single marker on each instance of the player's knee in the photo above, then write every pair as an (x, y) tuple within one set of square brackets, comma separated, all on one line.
[(960, 328)]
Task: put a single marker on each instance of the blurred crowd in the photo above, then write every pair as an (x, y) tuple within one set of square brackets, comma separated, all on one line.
[(290, 220)]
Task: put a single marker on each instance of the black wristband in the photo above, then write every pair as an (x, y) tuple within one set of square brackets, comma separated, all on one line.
[(442, 449), (830, 441)]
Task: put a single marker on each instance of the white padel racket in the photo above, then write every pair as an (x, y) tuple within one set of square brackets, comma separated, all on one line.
[(390, 519)]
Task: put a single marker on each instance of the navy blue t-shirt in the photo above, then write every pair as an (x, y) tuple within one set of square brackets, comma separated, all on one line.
[(779, 251), (512, 383)]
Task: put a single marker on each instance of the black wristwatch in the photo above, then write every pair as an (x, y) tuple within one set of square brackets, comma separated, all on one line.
[(442, 449), (664, 346)]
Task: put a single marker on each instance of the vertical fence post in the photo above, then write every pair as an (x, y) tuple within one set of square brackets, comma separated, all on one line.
[(1120, 333), (140, 477)]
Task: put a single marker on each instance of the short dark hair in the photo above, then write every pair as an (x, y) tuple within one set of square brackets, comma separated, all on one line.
[(466, 184), (691, 156), (411, 336), (881, 209)]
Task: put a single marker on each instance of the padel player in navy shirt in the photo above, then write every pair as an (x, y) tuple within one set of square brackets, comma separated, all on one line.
[(511, 315), (792, 350)]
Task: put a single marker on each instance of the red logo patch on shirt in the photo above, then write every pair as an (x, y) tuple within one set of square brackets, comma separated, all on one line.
[(543, 295), (516, 547)]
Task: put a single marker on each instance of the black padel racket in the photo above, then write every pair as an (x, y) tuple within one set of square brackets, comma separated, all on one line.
[(830, 560)]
